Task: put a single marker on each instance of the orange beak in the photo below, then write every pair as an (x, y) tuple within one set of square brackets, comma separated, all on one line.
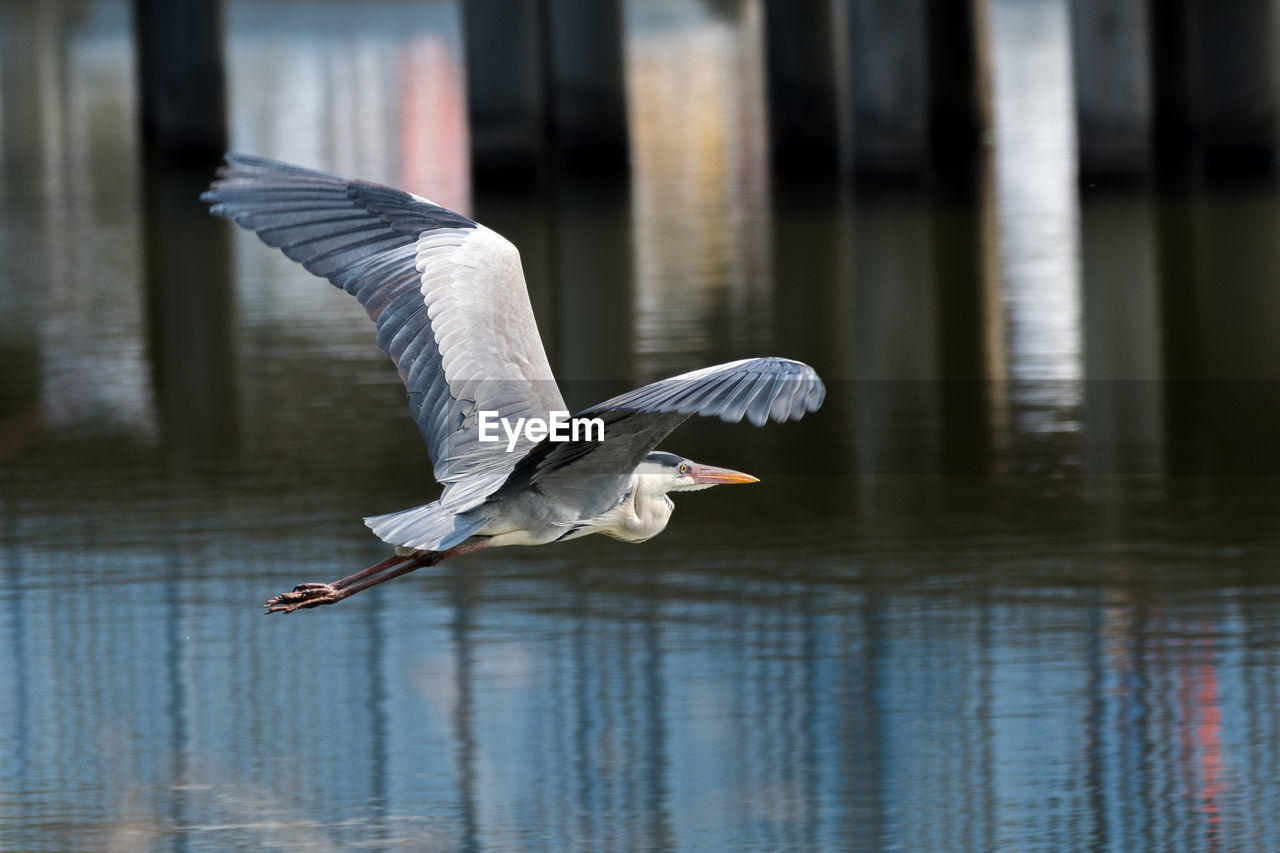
[(711, 475)]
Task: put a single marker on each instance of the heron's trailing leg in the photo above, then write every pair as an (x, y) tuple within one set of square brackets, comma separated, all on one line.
[(316, 594)]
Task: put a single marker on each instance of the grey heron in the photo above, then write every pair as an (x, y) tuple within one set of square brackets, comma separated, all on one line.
[(452, 311)]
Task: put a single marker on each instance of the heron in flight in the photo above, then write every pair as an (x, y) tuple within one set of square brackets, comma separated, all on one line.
[(449, 299)]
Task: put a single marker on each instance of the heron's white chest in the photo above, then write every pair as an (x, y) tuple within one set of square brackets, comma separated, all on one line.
[(640, 516)]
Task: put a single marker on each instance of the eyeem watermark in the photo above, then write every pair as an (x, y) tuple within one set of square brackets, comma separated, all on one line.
[(560, 427)]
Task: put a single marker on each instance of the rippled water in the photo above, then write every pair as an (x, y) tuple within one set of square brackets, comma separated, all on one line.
[(1014, 588)]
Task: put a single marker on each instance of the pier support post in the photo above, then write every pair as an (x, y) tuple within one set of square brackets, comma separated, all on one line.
[(1217, 85), (588, 91), (916, 84), (959, 77), (544, 77), (886, 78), (801, 67), (181, 75), (1112, 68), (1236, 90), (1171, 75), (506, 92)]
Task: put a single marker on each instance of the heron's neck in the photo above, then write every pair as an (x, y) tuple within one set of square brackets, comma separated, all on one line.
[(651, 509)]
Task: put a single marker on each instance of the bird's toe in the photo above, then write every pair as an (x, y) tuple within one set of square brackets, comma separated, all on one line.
[(302, 596)]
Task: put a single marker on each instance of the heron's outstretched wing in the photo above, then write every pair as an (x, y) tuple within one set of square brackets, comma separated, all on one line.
[(758, 389), (448, 297)]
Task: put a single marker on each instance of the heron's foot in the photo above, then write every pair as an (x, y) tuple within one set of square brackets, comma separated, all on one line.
[(316, 594), (304, 595)]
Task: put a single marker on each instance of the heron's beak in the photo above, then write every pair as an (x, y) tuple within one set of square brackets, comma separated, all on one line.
[(712, 476)]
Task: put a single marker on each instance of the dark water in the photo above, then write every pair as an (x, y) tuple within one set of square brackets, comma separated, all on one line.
[(1014, 588)]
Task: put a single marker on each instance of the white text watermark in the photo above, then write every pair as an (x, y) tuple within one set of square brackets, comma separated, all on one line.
[(560, 427)]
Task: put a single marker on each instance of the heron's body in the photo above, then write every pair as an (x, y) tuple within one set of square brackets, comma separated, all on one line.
[(639, 511), (452, 311), (634, 518)]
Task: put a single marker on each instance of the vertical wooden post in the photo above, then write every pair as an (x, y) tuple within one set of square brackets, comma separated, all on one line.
[(1236, 90), (181, 74), (1217, 85), (959, 76), (1171, 76), (506, 85), (588, 93), (801, 63), (916, 82), (1112, 67), (886, 87)]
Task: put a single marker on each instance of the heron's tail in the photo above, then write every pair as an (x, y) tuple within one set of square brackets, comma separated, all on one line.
[(427, 527)]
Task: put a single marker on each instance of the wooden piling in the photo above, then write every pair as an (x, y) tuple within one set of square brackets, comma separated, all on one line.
[(588, 92), (885, 88), (959, 77), (1112, 68), (1217, 91), (544, 79), (181, 75), (1236, 90), (916, 84), (506, 86), (1171, 74), (802, 74)]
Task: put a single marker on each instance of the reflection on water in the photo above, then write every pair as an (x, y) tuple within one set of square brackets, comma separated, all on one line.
[(700, 188), (1038, 211), (1013, 588)]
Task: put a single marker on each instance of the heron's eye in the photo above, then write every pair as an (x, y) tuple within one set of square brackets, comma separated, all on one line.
[(684, 469)]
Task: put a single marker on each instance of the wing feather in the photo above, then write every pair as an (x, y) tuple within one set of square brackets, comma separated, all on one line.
[(760, 389), (447, 295)]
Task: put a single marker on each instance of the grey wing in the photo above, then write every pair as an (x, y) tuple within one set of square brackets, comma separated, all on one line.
[(448, 297), (758, 389)]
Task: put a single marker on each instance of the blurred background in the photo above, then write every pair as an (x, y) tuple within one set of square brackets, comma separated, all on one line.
[(1013, 588)]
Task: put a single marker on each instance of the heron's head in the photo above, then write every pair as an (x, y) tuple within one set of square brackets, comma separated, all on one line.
[(671, 473)]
